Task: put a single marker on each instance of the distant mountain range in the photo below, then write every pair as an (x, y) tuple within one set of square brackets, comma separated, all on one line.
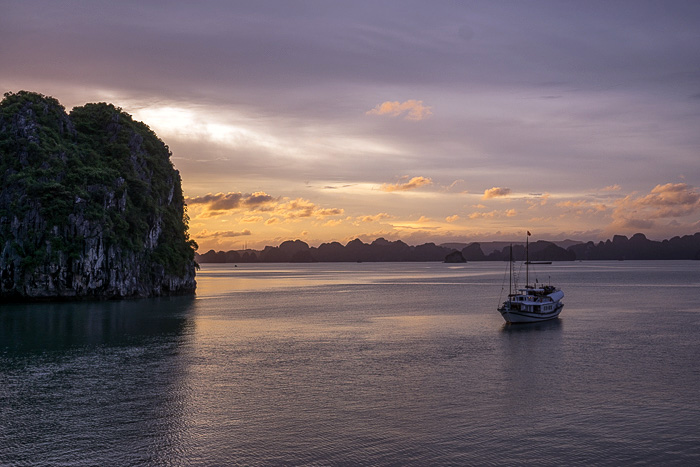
[(490, 247), (638, 247)]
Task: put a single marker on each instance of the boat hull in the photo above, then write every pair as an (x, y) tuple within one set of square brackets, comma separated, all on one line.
[(517, 316)]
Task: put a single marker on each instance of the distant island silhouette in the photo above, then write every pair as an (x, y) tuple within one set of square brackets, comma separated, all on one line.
[(638, 247)]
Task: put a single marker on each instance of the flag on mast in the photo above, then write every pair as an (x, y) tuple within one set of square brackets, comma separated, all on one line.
[(528, 233)]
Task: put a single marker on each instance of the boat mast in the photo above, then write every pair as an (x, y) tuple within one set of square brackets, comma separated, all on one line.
[(527, 260), (510, 277)]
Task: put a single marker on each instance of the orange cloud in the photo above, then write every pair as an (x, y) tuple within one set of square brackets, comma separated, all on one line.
[(328, 212), (224, 203), (496, 192), (572, 204), (582, 207), (415, 182), (454, 184), (678, 197), (231, 200), (332, 222), (539, 199), (672, 200), (220, 203), (302, 208), (210, 214), (222, 234), (493, 214), (296, 208), (452, 218), (581, 204), (483, 215), (410, 109), (374, 218)]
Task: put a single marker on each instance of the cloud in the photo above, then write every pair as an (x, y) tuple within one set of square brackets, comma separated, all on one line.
[(615, 187), (484, 215), (301, 208), (635, 223), (335, 187), (410, 110), (672, 200), (675, 199), (210, 214), (230, 201), (416, 228), (453, 218), (374, 218), (333, 222), (328, 212), (297, 208), (223, 203), (496, 192), (415, 182), (493, 214), (573, 204), (258, 198), (581, 207), (454, 184), (538, 199), (669, 200), (222, 234)]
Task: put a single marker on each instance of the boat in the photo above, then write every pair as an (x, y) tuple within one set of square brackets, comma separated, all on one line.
[(532, 303)]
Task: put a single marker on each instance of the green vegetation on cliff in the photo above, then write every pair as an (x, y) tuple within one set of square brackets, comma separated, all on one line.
[(90, 204)]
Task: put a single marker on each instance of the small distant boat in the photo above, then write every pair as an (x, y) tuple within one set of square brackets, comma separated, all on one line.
[(530, 304)]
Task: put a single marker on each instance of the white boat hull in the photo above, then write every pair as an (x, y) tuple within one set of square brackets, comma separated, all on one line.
[(530, 304), (512, 315)]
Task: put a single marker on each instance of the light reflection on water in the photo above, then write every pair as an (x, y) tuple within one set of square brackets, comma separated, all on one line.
[(382, 364), (217, 278)]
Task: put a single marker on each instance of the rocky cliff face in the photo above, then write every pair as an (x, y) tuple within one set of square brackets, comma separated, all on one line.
[(90, 205)]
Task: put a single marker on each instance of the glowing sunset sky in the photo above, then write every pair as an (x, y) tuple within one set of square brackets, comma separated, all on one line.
[(422, 121)]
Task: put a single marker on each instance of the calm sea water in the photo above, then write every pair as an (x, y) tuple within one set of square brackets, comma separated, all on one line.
[(375, 364)]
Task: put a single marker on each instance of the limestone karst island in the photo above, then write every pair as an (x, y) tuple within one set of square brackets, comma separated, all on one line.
[(90, 205)]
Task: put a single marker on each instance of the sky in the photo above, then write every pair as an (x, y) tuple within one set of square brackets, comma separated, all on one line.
[(425, 121)]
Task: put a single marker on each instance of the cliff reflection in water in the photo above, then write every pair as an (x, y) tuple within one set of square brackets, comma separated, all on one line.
[(55, 326), (103, 381)]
